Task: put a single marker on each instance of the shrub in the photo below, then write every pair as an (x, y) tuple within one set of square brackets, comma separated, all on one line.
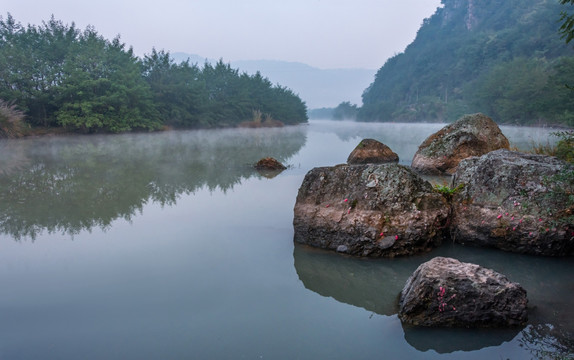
[(565, 146)]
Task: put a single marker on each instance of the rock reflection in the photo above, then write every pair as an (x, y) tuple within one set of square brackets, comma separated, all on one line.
[(447, 340), (74, 183), (372, 285)]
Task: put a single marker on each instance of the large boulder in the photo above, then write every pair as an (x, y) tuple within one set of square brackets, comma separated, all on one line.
[(516, 202), (471, 135), (369, 210), (447, 292), (370, 151)]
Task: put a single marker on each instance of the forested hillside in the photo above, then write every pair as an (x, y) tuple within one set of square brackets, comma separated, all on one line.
[(61, 76), (504, 58)]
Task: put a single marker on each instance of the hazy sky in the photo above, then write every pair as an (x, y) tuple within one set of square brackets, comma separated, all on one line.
[(321, 33)]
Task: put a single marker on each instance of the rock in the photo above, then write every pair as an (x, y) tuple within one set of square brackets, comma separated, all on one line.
[(371, 151), (269, 163), (516, 202), (447, 292), (369, 210), (471, 135)]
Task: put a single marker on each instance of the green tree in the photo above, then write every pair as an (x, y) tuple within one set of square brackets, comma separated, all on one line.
[(61, 76), (513, 91), (31, 65), (103, 89), (345, 110), (177, 89)]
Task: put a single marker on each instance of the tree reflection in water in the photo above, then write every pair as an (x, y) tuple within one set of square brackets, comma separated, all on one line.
[(74, 183)]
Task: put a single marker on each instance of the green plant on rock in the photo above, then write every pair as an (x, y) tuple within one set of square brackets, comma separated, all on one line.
[(565, 146), (447, 191), (561, 196)]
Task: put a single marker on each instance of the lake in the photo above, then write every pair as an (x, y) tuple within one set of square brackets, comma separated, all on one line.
[(171, 246)]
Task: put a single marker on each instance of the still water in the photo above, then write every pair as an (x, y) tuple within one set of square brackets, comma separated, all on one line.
[(170, 246)]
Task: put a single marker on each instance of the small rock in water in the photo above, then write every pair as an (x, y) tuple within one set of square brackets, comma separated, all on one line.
[(269, 163), (370, 151)]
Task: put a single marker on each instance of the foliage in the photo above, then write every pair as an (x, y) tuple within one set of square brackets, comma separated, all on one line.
[(31, 66), (561, 196), (103, 89), (567, 18), (565, 146), (62, 76), (447, 191), (561, 184), (503, 58)]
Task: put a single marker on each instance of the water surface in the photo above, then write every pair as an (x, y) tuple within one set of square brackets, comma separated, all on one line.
[(170, 245)]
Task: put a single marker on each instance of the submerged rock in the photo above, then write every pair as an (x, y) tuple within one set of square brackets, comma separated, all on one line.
[(516, 202), (447, 292), (369, 210), (471, 135), (370, 151)]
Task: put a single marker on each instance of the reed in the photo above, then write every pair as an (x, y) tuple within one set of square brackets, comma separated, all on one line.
[(11, 121)]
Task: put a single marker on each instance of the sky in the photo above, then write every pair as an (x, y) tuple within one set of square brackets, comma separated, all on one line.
[(326, 34)]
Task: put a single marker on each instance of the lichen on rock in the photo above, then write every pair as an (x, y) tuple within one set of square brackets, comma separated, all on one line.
[(515, 202)]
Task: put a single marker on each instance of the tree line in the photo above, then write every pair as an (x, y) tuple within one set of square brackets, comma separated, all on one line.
[(57, 75), (504, 58)]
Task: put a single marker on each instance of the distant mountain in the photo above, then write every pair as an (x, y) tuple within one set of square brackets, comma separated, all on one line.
[(317, 87), (504, 58)]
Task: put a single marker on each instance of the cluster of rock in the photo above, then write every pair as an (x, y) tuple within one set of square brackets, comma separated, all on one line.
[(374, 207)]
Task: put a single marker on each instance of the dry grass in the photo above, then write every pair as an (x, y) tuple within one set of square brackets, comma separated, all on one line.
[(261, 120), (11, 121), (544, 149)]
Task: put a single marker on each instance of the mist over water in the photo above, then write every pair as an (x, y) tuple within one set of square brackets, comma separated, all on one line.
[(170, 245)]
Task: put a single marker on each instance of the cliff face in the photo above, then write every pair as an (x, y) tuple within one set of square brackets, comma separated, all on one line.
[(453, 9), (470, 16)]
